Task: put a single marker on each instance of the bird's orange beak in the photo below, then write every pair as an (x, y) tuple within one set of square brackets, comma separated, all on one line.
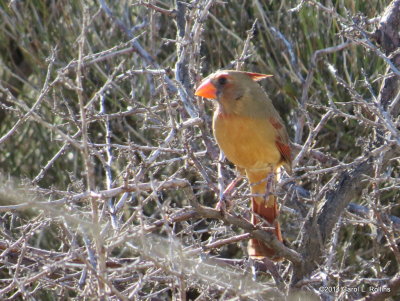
[(206, 90)]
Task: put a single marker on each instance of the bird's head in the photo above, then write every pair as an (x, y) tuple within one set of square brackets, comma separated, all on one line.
[(228, 84), (235, 91)]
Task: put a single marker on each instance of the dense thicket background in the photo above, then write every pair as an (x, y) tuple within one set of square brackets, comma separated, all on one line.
[(109, 171)]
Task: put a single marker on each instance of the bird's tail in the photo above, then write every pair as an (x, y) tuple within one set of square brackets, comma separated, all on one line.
[(265, 208)]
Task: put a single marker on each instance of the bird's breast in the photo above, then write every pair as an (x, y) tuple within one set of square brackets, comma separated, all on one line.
[(246, 141)]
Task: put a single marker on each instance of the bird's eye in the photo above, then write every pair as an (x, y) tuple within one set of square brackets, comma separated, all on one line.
[(222, 80)]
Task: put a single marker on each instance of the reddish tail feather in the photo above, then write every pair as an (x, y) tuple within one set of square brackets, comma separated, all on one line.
[(255, 247)]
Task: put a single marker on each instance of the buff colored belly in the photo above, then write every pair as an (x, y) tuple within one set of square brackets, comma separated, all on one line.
[(247, 142)]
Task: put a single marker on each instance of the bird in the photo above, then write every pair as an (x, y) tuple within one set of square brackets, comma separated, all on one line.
[(252, 135)]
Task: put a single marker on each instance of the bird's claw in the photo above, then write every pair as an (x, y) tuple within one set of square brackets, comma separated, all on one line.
[(221, 206)]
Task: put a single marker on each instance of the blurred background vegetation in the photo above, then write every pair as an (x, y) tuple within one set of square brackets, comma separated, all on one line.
[(32, 30), (130, 112)]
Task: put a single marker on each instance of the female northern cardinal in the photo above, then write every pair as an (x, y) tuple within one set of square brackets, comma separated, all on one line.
[(252, 135)]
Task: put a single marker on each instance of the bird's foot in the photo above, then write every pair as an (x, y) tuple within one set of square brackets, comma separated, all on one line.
[(224, 204)]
